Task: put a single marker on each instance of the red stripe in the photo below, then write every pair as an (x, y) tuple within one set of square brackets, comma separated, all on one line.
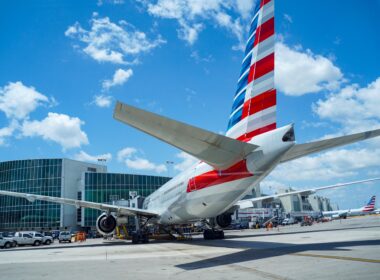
[(261, 67), (264, 31), (260, 102), (264, 2), (248, 136), (215, 177)]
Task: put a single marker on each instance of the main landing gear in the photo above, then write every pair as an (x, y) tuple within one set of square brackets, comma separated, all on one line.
[(141, 234), (209, 234)]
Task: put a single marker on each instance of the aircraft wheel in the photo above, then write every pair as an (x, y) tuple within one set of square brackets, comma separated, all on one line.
[(135, 238), (145, 238), (208, 234), (219, 234)]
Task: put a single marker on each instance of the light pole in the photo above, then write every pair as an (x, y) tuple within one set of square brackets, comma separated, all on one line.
[(168, 162), (102, 162)]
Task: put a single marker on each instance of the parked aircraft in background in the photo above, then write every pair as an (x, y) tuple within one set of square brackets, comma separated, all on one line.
[(229, 165), (366, 209)]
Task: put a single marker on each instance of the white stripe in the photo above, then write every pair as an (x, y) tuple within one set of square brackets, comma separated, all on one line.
[(263, 118), (253, 122), (268, 12), (260, 85), (266, 48), (257, 87)]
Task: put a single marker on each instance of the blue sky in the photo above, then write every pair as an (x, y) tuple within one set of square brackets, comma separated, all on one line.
[(64, 63)]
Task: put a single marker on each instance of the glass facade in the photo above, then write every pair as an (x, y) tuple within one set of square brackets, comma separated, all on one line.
[(38, 176), (109, 187)]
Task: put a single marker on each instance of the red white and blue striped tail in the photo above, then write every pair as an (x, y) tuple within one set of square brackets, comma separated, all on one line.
[(254, 105), (370, 205)]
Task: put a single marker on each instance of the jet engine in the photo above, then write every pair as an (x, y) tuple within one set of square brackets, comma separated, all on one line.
[(106, 224), (223, 220)]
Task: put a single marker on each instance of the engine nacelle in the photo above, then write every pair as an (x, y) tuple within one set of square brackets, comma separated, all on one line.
[(106, 224), (223, 220)]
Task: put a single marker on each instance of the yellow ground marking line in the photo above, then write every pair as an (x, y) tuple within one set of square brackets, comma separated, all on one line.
[(337, 257)]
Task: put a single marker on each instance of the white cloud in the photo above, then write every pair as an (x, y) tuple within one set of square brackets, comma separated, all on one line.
[(110, 42), (132, 160), (119, 78), (144, 164), (6, 132), (355, 108), (288, 18), (102, 101), (125, 153), (59, 128), (115, 2), (245, 7), (17, 101), (186, 161), (334, 164), (83, 156), (301, 72), (192, 15)]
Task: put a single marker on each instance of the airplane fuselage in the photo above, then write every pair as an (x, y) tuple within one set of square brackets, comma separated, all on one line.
[(203, 192)]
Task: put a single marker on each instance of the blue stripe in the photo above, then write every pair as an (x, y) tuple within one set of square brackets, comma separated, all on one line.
[(246, 64), (253, 26), (235, 118), (250, 44), (243, 82), (238, 101), (257, 8)]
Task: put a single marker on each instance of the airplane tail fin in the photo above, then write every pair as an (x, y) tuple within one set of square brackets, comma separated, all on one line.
[(254, 105), (370, 205)]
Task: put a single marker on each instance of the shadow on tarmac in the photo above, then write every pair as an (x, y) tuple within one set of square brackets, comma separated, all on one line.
[(262, 250)]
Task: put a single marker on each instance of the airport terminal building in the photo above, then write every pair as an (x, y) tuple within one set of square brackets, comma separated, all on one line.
[(63, 178)]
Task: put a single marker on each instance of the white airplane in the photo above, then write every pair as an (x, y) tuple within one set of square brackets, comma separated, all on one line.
[(229, 165), (366, 209)]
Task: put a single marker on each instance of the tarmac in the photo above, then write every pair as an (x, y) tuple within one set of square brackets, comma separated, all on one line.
[(345, 249)]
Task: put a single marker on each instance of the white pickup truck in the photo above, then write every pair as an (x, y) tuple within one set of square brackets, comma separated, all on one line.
[(45, 239), (25, 238), (6, 242)]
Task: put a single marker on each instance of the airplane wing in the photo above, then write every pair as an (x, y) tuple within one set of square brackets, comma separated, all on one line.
[(248, 203), (217, 150), (121, 210), (301, 150)]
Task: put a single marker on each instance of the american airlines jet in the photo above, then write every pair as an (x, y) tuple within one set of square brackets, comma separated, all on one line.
[(366, 209), (229, 165)]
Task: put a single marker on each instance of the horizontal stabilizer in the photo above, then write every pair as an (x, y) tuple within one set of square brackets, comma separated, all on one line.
[(120, 210), (248, 203), (217, 150), (301, 150)]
